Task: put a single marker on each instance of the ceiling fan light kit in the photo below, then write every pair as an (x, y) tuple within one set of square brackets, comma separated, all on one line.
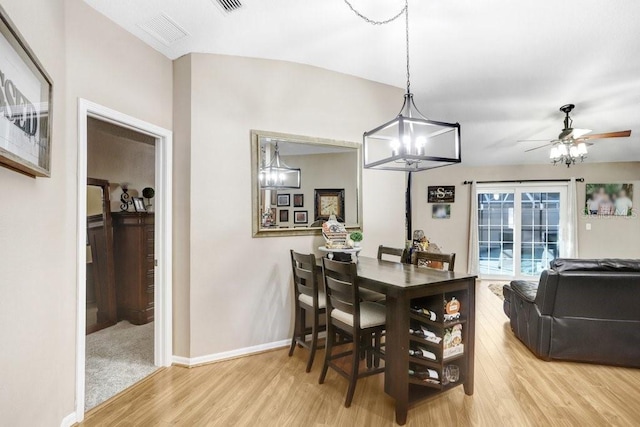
[(410, 142), (570, 145)]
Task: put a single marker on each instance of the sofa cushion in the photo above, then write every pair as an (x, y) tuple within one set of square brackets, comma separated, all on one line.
[(525, 290), (611, 264)]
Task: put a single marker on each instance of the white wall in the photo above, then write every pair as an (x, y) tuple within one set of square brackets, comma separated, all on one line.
[(87, 56), (37, 252), (118, 160), (240, 287), (609, 237)]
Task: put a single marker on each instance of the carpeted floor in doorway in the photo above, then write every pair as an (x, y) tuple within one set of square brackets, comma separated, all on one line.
[(117, 358)]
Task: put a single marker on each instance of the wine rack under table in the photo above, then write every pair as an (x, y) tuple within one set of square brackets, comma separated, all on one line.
[(404, 284), (442, 340)]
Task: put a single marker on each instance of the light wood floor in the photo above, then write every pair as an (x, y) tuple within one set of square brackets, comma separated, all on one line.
[(512, 388)]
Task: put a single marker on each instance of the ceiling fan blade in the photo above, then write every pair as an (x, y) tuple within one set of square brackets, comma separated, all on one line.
[(533, 140), (579, 133), (619, 134), (537, 148)]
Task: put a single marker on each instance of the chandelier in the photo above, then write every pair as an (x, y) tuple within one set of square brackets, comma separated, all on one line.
[(277, 175), (567, 152), (410, 142)]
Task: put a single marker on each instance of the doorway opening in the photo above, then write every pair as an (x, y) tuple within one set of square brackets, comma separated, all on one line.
[(102, 224), (120, 259)]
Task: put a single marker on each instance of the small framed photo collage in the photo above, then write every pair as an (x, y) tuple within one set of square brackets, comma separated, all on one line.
[(283, 203)]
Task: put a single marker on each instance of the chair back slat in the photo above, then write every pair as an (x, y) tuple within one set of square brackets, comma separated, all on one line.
[(304, 280), (386, 250), (341, 285), (304, 275), (433, 260), (341, 294)]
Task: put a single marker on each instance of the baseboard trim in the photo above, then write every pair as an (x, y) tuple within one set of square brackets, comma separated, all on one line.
[(228, 355), (69, 420)]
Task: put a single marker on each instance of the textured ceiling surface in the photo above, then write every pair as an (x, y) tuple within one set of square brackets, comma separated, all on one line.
[(500, 68)]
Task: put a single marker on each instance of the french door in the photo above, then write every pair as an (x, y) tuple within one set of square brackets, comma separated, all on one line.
[(520, 229)]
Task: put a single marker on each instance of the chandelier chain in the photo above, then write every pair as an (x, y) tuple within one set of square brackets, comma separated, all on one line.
[(405, 11), (374, 22), (406, 15)]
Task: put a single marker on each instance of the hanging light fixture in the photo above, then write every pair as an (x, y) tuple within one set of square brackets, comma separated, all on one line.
[(410, 142), (277, 175)]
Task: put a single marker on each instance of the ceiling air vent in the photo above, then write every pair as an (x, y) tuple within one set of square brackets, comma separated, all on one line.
[(164, 29), (228, 6)]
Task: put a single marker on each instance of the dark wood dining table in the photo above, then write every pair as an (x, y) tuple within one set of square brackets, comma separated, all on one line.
[(402, 284)]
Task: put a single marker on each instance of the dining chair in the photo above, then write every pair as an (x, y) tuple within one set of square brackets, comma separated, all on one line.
[(433, 260), (395, 252), (364, 321), (308, 297)]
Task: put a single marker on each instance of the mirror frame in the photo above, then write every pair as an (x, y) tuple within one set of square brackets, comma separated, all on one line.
[(255, 188)]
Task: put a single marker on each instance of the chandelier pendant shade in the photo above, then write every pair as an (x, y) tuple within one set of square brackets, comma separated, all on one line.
[(277, 175), (410, 142)]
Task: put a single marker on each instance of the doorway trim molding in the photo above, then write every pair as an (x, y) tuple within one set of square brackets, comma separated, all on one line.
[(163, 315)]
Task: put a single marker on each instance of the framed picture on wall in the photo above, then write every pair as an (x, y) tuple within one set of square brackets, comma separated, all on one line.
[(441, 211), (329, 202), (300, 217), (25, 121), (284, 215), (609, 199), (284, 200), (298, 200)]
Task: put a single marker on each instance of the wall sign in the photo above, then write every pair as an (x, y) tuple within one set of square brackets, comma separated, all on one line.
[(25, 105), (441, 194)]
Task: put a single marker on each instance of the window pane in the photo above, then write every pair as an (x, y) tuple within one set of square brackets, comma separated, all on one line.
[(540, 216), (495, 233)]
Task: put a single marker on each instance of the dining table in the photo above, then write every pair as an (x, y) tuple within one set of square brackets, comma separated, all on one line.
[(407, 286)]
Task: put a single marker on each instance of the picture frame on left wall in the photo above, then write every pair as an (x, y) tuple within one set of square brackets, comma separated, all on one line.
[(300, 217), (284, 200), (25, 124)]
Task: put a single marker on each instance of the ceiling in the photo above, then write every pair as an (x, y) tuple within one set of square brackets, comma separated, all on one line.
[(500, 68), (98, 125)]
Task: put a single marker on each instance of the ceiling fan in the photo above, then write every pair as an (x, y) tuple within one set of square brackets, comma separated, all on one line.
[(572, 143)]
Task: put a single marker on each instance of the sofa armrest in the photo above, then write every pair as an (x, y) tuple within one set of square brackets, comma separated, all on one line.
[(528, 324), (525, 290), (507, 294)]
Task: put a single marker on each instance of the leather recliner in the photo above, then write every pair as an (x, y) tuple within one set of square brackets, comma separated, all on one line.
[(581, 310)]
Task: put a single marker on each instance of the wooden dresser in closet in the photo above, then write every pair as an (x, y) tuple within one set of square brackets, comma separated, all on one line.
[(134, 260)]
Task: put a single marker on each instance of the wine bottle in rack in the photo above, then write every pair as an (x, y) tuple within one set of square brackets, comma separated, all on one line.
[(431, 315), (430, 375), (422, 353), (422, 332)]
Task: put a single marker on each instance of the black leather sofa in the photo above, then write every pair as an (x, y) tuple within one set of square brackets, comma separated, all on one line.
[(581, 310)]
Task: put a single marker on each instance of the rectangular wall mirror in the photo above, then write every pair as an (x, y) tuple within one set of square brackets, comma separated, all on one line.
[(298, 181)]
